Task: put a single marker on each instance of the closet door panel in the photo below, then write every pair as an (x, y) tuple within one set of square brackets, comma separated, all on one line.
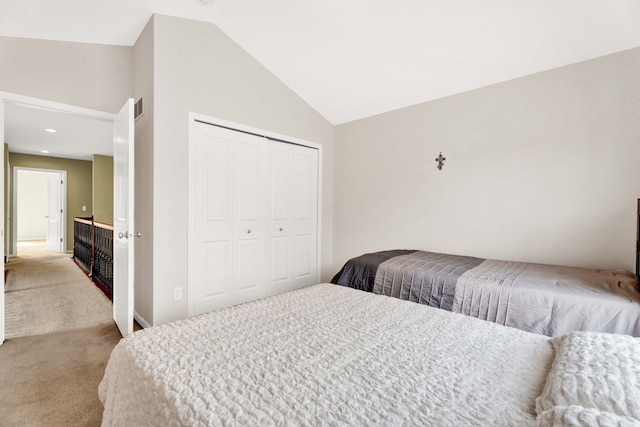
[(250, 214), (218, 159), (280, 213), (217, 276), (248, 167), (305, 194), (248, 265), (305, 258), (211, 218), (281, 182), (280, 265), (217, 222)]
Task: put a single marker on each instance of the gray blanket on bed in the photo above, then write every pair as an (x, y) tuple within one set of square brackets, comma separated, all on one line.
[(545, 299), (423, 277)]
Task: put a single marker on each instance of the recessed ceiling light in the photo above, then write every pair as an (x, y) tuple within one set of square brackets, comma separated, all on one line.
[(44, 151), (50, 130)]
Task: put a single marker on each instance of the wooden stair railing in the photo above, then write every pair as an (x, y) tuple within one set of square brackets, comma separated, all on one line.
[(93, 251)]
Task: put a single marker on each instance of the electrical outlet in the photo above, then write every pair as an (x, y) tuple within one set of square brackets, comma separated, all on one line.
[(84, 209), (177, 293)]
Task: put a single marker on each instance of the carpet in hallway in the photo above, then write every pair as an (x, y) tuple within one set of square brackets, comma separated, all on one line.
[(46, 292)]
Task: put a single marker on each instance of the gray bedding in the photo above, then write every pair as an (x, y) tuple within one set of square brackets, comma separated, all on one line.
[(545, 299), (423, 277)]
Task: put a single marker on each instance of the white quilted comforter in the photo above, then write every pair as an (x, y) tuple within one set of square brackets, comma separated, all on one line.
[(331, 356), (594, 381)]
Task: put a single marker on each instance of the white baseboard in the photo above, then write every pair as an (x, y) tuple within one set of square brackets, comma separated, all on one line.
[(141, 320)]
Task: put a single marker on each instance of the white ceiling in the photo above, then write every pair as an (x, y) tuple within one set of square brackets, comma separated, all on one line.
[(357, 58), (76, 137)]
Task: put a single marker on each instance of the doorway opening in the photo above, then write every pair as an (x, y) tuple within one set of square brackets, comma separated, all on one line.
[(10, 105), (39, 208)]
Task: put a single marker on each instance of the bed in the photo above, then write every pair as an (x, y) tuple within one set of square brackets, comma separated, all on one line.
[(545, 299), (334, 356)]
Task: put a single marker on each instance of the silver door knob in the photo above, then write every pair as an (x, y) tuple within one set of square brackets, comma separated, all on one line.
[(281, 229), (123, 235), (136, 234), (248, 231)]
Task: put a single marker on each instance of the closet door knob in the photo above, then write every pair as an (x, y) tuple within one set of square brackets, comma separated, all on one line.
[(281, 229), (248, 231)]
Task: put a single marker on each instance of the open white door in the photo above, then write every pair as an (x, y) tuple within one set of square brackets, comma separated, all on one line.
[(54, 212), (2, 178), (123, 227)]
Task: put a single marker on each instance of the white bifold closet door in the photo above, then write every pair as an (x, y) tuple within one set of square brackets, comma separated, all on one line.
[(253, 217), (293, 221)]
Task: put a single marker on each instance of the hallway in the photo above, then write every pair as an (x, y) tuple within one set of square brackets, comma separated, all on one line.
[(46, 292), (60, 334)]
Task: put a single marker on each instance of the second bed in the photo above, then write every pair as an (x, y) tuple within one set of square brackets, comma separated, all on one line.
[(546, 299)]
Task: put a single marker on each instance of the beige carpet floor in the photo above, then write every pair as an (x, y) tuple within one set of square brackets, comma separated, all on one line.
[(52, 379), (60, 334), (46, 292)]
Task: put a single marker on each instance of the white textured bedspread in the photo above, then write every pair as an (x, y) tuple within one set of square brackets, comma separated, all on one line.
[(326, 355), (594, 381)]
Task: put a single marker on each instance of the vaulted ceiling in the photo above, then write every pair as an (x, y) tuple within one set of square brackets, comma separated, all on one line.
[(348, 59), (356, 58)]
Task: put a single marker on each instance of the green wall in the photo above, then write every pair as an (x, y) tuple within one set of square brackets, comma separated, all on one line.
[(79, 183), (103, 189)]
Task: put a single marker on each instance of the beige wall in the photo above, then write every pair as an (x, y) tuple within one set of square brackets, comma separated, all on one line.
[(198, 68), (31, 194), (543, 168), (144, 186), (102, 188), (78, 184), (88, 75)]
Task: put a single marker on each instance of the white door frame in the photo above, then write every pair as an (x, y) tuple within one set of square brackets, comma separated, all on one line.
[(28, 101), (63, 219)]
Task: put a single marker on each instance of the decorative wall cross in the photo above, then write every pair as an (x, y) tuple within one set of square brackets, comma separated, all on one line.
[(440, 161)]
